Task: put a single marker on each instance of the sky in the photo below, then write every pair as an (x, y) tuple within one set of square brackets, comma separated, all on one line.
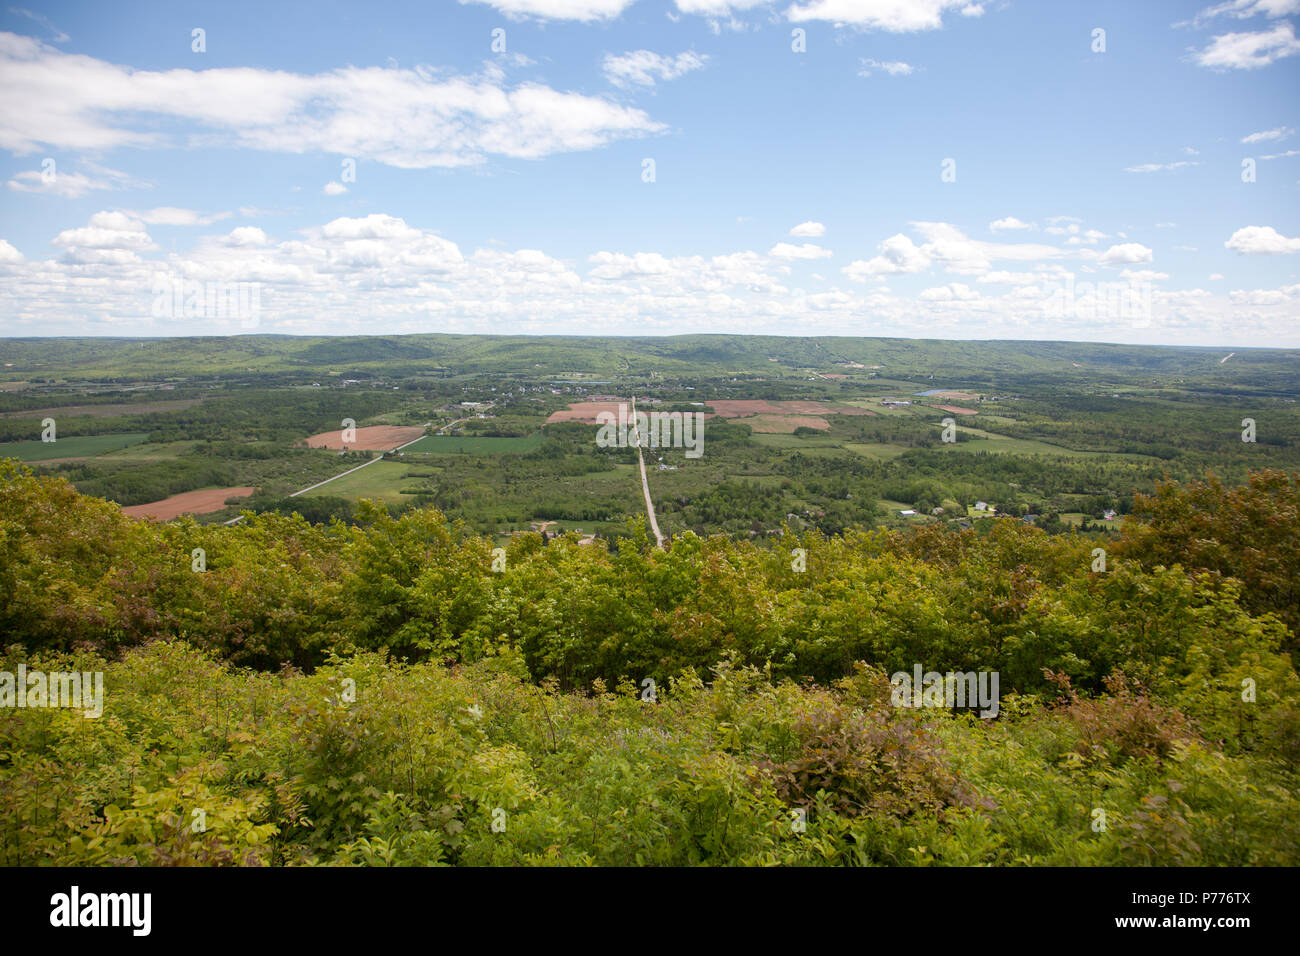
[(1010, 169)]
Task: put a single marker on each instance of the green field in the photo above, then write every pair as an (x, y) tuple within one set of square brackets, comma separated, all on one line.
[(381, 481), (1029, 446), (879, 452), (78, 447), (471, 445)]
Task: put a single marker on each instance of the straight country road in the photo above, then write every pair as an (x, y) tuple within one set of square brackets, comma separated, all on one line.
[(645, 482)]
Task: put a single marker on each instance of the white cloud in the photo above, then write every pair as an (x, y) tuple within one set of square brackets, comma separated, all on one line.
[(894, 16), (109, 237), (1249, 51), (67, 185), (954, 291), (898, 254), (644, 67), (1243, 9), (246, 236), (787, 250), (1279, 132), (1002, 277), (1126, 253), (173, 216), (1089, 237), (334, 188), (892, 67), (1159, 167), (1260, 241), (409, 118), (718, 8), (584, 10), (808, 230), (947, 246), (381, 274), (1010, 222), (70, 185), (1289, 152)]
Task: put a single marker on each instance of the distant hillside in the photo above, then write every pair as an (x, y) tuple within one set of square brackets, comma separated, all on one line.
[(987, 365)]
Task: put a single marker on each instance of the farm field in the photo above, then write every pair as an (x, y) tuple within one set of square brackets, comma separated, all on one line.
[(69, 448), (462, 444), (509, 444), (368, 438), (204, 501), (381, 481)]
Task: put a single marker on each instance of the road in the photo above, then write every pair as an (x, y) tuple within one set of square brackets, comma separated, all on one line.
[(365, 464), (645, 482)]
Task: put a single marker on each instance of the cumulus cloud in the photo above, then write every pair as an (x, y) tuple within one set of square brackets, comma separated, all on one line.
[(174, 216), (947, 246), (246, 236), (8, 254), (808, 230), (334, 188), (409, 118), (1249, 51), (644, 67), (381, 274), (1010, 222), (1126, 253), (898, 254), (954, 291), (1261, 241), (582, 10), (808, 250), (894, 16), (109, 237)]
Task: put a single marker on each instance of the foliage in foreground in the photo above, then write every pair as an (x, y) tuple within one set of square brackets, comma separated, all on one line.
[(379, 694), (477, 765)]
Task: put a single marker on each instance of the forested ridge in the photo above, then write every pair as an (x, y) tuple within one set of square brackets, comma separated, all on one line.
[(374, 692)]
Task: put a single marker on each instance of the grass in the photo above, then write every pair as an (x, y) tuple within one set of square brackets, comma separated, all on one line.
[(469, 444), (788, 441), (1030, 446), (879, 452), (380, 481), (86, 446), (150, 451)]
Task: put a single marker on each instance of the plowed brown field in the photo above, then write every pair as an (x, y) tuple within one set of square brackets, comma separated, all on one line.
[(370, 438), (190, 503)]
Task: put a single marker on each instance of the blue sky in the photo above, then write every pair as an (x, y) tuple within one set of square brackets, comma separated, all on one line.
[(927, 168)]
